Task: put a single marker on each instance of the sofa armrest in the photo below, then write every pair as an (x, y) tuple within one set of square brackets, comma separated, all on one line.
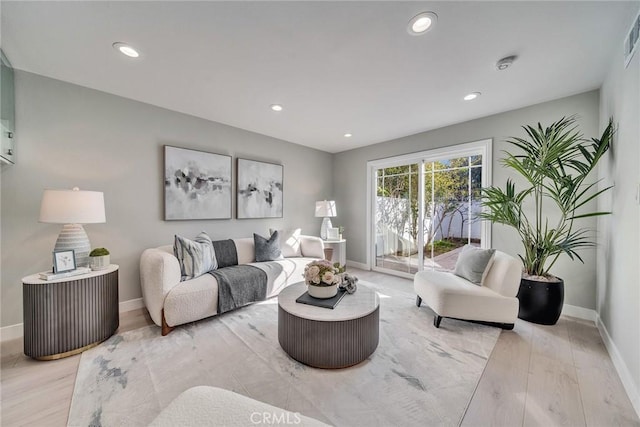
[(311, 247), (159, 273)]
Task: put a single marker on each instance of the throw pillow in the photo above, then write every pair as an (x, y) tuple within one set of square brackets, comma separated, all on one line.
[(196, 257), (473, 263), (267, 249), (289, 242)]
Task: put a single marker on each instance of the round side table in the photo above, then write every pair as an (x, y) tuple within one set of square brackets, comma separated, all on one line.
[(329, 338), (67, 316)]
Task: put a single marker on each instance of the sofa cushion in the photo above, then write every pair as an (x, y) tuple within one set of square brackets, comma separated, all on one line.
[(246, 249), (196, 257), (473, 263), (282, 273), (289, 242), (267, 249)]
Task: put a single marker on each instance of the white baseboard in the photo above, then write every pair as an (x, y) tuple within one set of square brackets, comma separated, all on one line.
[(359, 265), (579, 312), (131, 304), (12, 332), (621, 366)]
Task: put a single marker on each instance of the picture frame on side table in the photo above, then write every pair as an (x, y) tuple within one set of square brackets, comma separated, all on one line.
[(197, 184), (333, 233), (260, 191), (64, 261)]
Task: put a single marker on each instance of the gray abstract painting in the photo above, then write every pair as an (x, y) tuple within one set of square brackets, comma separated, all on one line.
[(260, 193), (197, 184)]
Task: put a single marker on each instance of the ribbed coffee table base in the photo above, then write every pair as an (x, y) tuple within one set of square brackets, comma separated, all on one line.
[(327, 344)]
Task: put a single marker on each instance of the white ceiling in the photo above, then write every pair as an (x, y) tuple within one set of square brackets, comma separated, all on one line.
[(336, 67)]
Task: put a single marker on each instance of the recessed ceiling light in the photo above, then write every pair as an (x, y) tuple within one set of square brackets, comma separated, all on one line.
[(472, 95), (347, 135), (276, 107), (421, 23), (126, 49)]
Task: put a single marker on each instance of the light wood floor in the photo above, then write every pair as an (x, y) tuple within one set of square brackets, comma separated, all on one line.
[(557, 375)]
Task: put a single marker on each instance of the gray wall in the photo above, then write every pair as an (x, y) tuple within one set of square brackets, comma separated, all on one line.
[(350, 183), (618, 295), (73, 136)]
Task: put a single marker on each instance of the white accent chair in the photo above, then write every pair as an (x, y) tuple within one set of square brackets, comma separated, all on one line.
[(494, 303)]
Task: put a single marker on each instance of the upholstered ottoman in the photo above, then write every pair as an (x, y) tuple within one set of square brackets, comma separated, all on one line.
[(211, 406)]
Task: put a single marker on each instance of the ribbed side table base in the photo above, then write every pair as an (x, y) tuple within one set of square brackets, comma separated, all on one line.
[(65, 318), (71, 352), (326, 344)]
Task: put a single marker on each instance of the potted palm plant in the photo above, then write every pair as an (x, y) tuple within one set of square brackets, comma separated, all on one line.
[(555, 162)]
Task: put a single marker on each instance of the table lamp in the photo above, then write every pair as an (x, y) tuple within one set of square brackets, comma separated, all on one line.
[(325, 209), (73, 208)]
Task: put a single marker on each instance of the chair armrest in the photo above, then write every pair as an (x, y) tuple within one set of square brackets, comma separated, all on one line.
[(159, 273), (311, 247)]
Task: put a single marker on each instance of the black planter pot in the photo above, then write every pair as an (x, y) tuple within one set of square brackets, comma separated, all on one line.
[(541, 302)]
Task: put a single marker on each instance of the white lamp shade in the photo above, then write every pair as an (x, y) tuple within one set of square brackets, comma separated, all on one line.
[(72, 207), (326, 208)]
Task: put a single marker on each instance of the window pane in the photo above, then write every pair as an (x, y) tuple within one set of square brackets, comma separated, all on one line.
[(450, 219), (452, 163), (396, 218)]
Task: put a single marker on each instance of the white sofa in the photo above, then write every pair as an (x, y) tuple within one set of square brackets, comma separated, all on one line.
[(171, 302), (493, 303)]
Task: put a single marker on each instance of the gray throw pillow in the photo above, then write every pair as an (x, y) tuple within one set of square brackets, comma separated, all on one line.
[(473, 262), (267, 249), (196, 257)]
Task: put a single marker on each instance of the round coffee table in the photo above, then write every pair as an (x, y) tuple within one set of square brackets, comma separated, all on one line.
[(329, 338)]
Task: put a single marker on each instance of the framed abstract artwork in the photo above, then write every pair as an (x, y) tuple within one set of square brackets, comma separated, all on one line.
[(197, 184), (259, 190)]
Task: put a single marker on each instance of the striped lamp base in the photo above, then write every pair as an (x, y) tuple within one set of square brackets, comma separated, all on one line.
[(73, 237)]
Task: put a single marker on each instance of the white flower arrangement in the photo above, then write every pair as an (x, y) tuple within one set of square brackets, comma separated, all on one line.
[(321, 273)]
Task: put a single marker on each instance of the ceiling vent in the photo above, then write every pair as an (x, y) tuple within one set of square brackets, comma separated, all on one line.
[(631, 42)]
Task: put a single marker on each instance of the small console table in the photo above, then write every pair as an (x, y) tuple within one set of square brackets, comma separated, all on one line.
[(67, 316)]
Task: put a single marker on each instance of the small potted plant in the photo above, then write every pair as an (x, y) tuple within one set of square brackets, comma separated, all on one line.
[(322, 279), (340, 232), (99, 259)]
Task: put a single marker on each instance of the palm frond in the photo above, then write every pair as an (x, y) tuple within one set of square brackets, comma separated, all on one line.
[(555, 162)]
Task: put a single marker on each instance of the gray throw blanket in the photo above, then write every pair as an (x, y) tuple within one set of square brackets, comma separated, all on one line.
[(226, 253), (239, 285)]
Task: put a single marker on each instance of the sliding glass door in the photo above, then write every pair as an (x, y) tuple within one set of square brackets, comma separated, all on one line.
[(424, 207), (396, 217)]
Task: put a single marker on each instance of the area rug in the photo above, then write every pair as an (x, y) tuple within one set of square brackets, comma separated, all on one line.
[(419, 375)]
